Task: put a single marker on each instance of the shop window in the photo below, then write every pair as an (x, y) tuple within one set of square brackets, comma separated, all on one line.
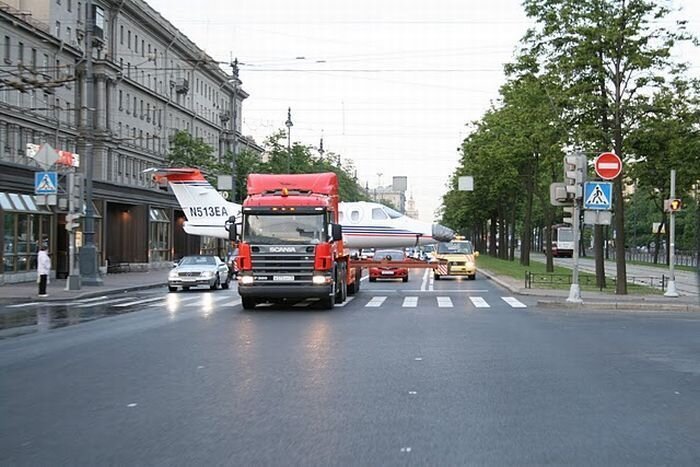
[(159, 235)]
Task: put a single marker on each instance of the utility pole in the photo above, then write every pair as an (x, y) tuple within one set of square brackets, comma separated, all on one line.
[(88, 253), (234, 128), (289, 125)]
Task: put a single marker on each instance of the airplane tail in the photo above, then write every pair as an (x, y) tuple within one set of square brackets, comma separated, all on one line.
[(205, 208)]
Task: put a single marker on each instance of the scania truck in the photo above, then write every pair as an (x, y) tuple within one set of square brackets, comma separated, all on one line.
[(290, 242)]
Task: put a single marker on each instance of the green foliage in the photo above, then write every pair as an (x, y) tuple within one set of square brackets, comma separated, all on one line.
[(187, 151)]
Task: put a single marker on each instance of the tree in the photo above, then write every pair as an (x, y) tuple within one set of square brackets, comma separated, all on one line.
[(186, 151), (608, 54)]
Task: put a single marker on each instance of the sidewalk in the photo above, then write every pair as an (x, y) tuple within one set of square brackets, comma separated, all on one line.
[(556, 298), (113, 283)]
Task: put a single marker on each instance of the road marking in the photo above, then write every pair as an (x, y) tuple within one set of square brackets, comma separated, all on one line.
[(349, 299), (94, 299), (364, 278), (432, 283), (406, 449), (376, 302), (20, 305), (410, 302), (514, 302), (172, 300), (412, 393), (106, 302), (138, 302), (132, 405), (444, 302), (418, 359), (424, 283), (429, 291), (479, 302)]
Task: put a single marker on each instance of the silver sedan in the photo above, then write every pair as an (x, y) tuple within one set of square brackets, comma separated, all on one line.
[(193, 271)]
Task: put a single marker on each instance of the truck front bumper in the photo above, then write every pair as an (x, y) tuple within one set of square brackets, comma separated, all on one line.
[(271, 291)]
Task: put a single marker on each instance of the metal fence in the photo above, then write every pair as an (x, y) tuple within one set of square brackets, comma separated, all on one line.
[(551, 280), (683, 258)]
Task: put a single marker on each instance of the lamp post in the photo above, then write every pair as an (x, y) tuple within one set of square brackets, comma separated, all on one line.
[(88, 253), (289, 125), (234, 130)]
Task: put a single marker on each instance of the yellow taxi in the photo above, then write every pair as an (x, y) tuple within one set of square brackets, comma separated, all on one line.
[(457, 258)]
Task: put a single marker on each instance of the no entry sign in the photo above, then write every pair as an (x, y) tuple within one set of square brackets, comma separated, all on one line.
[(608, 166)]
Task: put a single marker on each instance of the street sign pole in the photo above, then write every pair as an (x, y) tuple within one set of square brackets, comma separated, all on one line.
[(671, 290), (73, 282), (580, 167)]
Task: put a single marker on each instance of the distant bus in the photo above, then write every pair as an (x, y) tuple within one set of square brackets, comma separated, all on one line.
[(562, 241)]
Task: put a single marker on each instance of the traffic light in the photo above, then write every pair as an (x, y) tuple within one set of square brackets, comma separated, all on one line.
[(76, 191), (672, 205), (568, 215), (575, 167), (71, 221)]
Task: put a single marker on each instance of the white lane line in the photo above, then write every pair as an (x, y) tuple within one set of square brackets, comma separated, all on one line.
[(479, 302), (364, 278), (376, 302), (424, 284), (173, 300), (432, 283), (444, 302), (348, 300), (138, 302), (429, 291), (106, 302), (410, 302), (514, 302), (20, 305)]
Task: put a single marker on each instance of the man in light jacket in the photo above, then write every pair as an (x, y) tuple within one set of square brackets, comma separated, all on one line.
[(43, 268)]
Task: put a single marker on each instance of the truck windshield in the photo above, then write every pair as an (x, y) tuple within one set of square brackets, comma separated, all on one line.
[(284, 229), (455, 248), (566, 235)]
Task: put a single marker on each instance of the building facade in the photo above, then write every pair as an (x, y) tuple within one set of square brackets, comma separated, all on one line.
[(149, 81)]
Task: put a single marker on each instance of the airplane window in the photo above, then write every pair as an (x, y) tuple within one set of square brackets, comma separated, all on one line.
[(393, 214), (355, 216), (378, 214), (341, 217)]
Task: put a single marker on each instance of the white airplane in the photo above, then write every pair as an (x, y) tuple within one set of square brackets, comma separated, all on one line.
[(365, 224)]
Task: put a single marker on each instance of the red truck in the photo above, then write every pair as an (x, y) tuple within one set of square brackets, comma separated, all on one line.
[(290, 241)]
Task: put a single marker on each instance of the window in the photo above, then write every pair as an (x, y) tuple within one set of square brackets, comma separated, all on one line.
[(20, 52), (143, 47), (135, 108), (69, 5), (355, 216), (121, 102), (141, 110), (68, 33), (58, 29), (128, 104), (136, 43), (8, 49), (33, 62), (159, 235), (121, 35), (128, 39), (148, 112), (378, 214)]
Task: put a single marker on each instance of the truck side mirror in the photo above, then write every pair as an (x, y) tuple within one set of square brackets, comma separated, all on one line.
[(336, 232), (233, 229)]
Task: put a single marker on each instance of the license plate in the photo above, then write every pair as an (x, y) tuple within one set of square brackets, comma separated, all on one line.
[(387, 273), (282, 278)]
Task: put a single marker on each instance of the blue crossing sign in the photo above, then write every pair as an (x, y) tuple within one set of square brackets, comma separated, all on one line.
[(45, 183), (597, 195)]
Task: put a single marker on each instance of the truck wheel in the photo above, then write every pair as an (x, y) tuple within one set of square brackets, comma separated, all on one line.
[(437, 277), (342, 294), (405, 279), (248, 303), (373, 279), (472, 277)]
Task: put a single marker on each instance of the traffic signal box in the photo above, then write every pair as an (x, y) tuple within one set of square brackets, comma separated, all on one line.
[(672, 205)]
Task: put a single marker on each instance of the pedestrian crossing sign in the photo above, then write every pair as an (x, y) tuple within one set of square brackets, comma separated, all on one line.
[(597, 195), (45, 183)]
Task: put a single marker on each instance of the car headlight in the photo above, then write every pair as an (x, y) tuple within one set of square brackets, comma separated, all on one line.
[(246, 280), (208, 273), (172, 275)]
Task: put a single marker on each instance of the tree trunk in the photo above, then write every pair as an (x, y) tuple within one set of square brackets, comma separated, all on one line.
[(513, 240), (598, 241), (527, 227), (503, 235), (493, 229)]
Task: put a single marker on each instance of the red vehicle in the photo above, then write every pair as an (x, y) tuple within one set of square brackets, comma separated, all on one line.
[(291, 244), (388, 272)]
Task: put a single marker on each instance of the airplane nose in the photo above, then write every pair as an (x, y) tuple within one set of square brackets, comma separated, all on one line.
[(442, 233)]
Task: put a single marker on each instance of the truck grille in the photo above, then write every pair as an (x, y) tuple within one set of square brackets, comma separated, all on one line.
[(273, 265)]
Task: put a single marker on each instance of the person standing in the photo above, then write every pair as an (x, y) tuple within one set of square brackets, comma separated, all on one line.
[(43, 269)]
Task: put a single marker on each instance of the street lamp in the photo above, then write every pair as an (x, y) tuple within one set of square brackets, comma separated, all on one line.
[(289, 125), (234, 125)]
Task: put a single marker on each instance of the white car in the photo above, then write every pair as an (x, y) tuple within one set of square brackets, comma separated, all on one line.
[(193, 271)]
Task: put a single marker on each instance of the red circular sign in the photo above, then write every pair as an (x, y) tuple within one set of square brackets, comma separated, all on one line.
[(608, 166)]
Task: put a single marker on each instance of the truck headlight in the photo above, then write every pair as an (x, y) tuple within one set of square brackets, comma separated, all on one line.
[(246, 280), (318, 280)]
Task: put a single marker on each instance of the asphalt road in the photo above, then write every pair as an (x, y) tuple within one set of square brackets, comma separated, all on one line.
[(192, 379)]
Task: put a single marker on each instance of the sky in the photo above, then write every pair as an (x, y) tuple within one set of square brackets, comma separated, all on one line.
[(390, 85)]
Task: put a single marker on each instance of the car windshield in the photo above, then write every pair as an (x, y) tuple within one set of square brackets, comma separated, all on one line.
[(284, 229), (197, 261), (396, 255), (455, 248)]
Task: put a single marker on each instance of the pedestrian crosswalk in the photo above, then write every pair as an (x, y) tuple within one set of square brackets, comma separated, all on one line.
[(207, 299)]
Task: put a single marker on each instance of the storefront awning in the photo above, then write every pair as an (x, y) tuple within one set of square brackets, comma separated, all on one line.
[(17, 202)]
